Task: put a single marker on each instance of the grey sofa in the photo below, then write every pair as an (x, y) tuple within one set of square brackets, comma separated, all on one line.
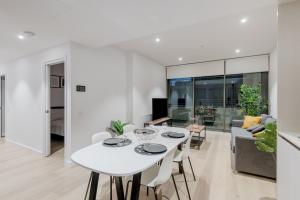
[(244, 155)]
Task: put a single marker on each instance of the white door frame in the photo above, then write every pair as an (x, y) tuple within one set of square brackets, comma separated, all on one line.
[(67, 105), (2, 107)]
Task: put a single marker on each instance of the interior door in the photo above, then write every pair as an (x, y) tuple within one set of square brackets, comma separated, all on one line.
[(47, 112)]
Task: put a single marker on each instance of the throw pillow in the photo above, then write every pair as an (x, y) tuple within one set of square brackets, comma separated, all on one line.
[(269, 120), (250, 121), (251, 128), (264, 117), (258, 129)]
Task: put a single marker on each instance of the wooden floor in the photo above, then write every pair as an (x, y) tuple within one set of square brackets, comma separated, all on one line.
[(25, 175)]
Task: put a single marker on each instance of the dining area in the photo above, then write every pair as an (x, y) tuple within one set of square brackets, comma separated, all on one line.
[(140, 157)]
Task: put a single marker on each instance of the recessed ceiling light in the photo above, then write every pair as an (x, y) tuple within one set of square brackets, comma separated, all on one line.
[(244, 20), (237, 51), (180, 58), (25, 35), (157, 40), (21, 37)]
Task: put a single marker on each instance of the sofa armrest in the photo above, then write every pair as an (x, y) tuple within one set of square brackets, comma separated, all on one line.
[(249, 159), (237, 123)]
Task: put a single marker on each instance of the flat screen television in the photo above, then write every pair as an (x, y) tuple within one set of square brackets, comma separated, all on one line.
[(181, 102), (159, 108)]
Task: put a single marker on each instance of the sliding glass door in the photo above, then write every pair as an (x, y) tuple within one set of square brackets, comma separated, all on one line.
[(211, 101), (181, 100), (232, 92), (209, 98)]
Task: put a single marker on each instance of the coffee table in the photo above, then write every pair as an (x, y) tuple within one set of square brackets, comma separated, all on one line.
[(197, 129)]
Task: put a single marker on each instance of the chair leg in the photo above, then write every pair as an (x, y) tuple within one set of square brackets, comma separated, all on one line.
[(147, 191), (88, 186), (127, 186), (186, 184), (110, 186), (154, 193), (192, 168), (175, 187)]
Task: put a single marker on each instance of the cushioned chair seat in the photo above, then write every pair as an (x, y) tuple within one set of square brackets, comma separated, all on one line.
[(239, 132)]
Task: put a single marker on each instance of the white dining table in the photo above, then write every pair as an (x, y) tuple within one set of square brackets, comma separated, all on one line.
[(124, 161)]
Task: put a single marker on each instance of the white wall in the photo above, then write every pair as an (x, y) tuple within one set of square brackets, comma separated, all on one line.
[(2, 68), (25, 97), (273, 86), (119, 85), (289, 67), (148, 81), (104, 73)]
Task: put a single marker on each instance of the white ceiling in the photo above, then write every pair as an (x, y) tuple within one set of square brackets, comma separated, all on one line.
[(103, 22), (213, 39)]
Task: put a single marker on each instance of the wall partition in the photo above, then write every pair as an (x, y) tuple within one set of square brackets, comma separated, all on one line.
[(208, 93)]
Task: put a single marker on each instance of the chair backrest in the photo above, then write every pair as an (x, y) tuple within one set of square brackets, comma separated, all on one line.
[(186, 147), (129, 128), (165, 169), (99, 137)]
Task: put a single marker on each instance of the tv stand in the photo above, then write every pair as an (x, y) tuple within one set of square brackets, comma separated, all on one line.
[(159, 121)]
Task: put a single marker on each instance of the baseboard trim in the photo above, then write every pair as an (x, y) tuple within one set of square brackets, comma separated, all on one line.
[(25, 146)]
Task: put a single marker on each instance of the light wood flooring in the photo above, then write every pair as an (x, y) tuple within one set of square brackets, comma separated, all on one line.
[(26, 175)]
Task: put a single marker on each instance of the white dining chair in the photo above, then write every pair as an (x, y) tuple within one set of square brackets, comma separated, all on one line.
[(182, 155), (129, 128), (157, 175), (96, 138)]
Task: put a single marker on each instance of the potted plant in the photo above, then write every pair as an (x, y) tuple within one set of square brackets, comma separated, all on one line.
[(251, 100), (117, 127), (267, 139)]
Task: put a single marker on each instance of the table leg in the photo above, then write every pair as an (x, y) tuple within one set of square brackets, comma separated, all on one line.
[(179, 147), (94, 186), (135, 189), (199, 140), (119, 188), (180, 166)]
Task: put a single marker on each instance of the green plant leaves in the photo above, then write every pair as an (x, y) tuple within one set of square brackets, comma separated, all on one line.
[(251, 100), (267, 140), (117, 127)]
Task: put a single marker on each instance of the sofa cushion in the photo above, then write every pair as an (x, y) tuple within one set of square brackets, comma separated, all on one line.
[(269, 120), (251, 128), (239, 132), (258, 129), (250, 121), (264, 117)]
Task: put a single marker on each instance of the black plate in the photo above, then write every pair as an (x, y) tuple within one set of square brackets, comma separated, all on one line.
[(175, 135), (144, 131), (113, 141), (154, 148)]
